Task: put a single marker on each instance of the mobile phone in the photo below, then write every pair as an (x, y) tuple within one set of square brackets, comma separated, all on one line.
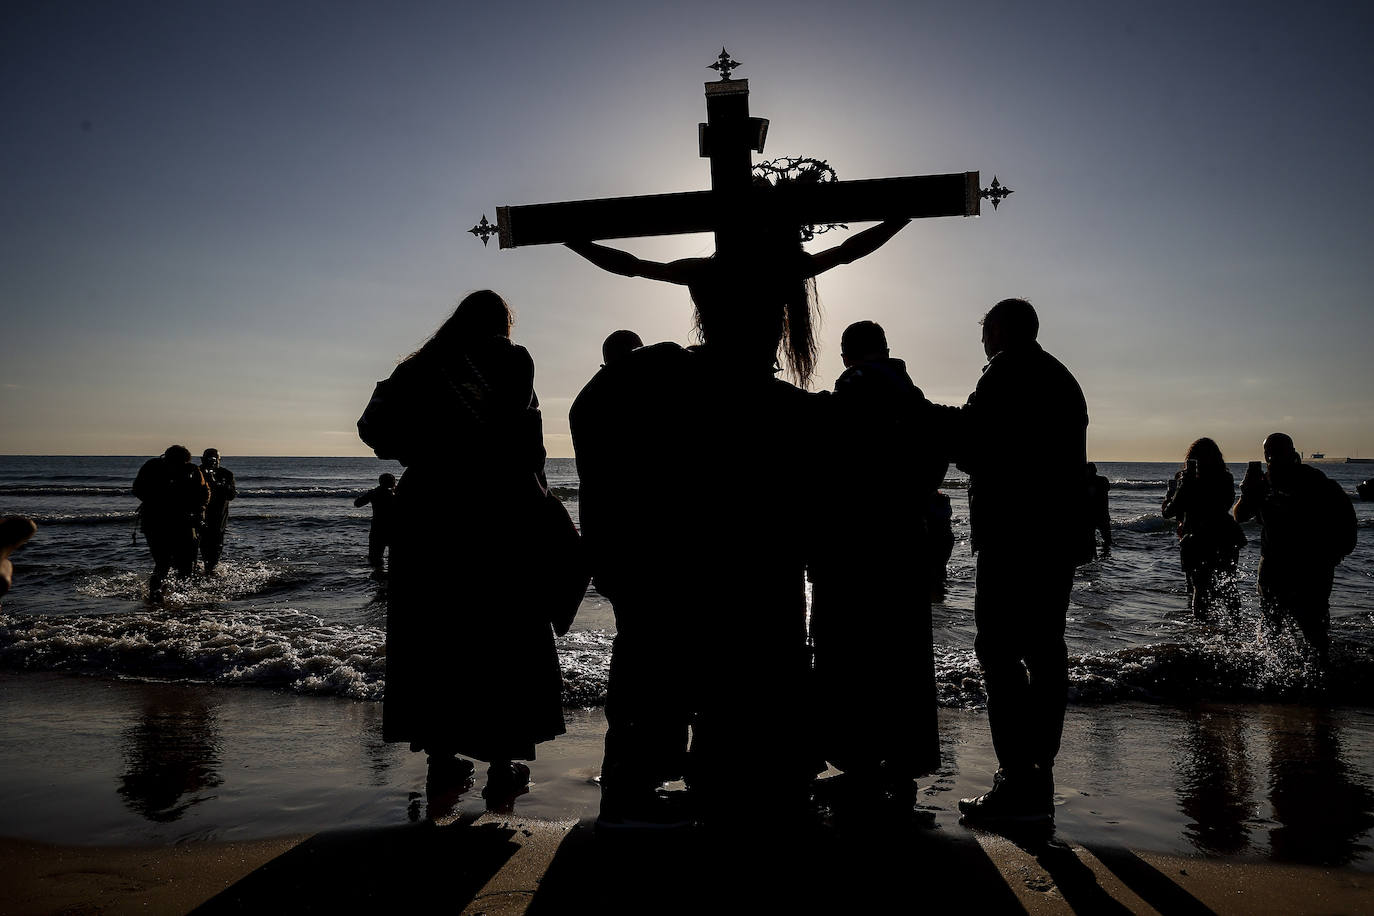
[(1192, 467), (1255, 469)]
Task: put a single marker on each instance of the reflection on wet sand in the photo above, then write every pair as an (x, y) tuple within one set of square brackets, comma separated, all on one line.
[(1322, 806), (1215, 782), (171, 754)]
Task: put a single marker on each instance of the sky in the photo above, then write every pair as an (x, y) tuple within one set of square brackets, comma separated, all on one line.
[(222, 222)]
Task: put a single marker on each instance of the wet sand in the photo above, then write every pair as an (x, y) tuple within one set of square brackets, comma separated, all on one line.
[(118, 797)]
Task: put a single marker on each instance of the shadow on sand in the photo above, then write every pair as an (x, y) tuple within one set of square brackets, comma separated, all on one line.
[(880, 866)]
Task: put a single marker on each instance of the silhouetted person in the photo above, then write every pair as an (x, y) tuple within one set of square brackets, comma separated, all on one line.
[(222, 490), (870, 609), (639, 552), (940, 546), (382, 498), (471, 664), (736, 555), (1026, 406), (1099, 516), (1307, 527), (618, 345), (174, 495), (14, 531), (1200, 496)]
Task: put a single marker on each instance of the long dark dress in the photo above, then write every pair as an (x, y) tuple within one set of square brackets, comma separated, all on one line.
[(870, 610), (471, 664)]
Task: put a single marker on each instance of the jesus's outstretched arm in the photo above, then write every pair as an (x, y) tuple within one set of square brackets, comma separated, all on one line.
[(855, 247), (627, 265)]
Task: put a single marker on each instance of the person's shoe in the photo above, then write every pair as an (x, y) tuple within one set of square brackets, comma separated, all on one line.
[(445, 772), (661, 810), (1009, 802), (506, 781)]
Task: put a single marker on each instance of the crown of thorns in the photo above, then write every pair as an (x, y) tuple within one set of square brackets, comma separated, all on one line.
[(799, 170)]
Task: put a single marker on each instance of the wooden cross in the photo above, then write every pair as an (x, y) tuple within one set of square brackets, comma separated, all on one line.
[(735, 205)]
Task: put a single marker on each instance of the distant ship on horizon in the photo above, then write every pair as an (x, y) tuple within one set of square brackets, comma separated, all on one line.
[(1359, 461), (1317, 456)]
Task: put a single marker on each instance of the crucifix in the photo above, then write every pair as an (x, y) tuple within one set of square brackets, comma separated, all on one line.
[(737, 202)]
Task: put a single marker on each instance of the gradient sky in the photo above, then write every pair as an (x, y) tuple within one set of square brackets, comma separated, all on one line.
[(222, 222)]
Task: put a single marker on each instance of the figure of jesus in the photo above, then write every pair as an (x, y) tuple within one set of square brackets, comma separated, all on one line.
[(753, 303)]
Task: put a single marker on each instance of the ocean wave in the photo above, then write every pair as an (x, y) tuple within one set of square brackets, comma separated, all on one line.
[(285, 649), (296, 651), (302, 492), (585, 656), (126, 491), (65, 490), (1220, 667), (1138, 484), (99, 518), (232, 580), (1145, 524), (50, 476)]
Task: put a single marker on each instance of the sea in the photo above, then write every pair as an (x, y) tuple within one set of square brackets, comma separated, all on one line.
[(295, 607)]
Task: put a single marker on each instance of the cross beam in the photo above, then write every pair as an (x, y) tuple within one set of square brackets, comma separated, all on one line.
[(736, 205), (873, 199)]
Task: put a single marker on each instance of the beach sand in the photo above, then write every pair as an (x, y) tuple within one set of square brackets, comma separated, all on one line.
[(130, 797)]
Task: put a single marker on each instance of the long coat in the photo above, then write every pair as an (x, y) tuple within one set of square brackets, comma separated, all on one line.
[(870, 612), (471, 664)]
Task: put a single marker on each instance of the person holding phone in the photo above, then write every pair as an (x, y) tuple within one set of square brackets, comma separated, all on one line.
[(1200, 496), (1307, 527)]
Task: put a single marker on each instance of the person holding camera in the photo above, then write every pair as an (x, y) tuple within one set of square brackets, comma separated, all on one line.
[(1307, 527), (1200, 496)]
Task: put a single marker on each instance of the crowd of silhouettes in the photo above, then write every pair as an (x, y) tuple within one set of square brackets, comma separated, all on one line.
[(1307, 526), (751, 540), (840, 487)]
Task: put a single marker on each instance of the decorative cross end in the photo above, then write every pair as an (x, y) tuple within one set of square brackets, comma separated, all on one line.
[(483, 230), (723, 64), (997, 193)]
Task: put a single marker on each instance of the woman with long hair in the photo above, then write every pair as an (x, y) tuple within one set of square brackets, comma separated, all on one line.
[(471, 664), (1200, 496)]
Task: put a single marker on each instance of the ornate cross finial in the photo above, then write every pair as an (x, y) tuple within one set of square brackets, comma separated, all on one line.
[(483, 230), (997, 193), (723, 64)]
